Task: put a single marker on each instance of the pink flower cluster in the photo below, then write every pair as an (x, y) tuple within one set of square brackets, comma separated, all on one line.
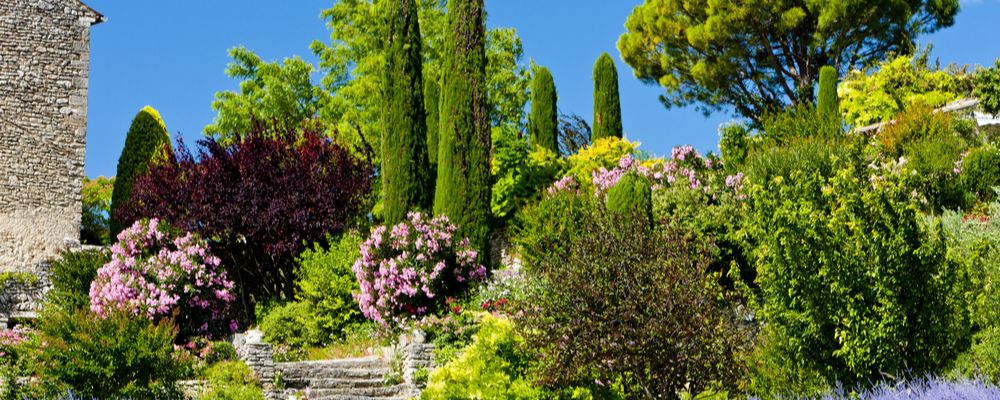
[(9, 339), (407, 271), (682, 168), (153, 274)]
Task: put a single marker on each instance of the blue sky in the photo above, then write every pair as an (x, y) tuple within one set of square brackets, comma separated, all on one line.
[(172, 54)]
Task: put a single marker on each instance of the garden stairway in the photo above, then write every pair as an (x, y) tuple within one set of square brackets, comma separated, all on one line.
[(356, 378)]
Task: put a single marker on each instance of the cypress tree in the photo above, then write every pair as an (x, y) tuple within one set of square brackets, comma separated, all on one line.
[(463, 178), (405, 172), (147, 141), (607, 105), (828, 102), (432, 96), (543, 122)]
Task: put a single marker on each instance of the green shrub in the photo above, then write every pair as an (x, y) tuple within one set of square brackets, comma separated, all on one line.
[(221, 351), (607, 105), (631, 304), (853, 284), (974, 243), (810, 155), (496, 365), (71, 274), (117, 357), (231, 380), (735, 146), (147, 141), (987, 83), (631, 196), (981, 172), (326, 281), (295, 327), (520, 175), (800, 121), (546, 228)]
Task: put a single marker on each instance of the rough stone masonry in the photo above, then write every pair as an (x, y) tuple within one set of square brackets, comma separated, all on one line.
[(44, 67)]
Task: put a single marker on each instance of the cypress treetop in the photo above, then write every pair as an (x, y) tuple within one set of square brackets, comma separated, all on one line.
[(543, 122), (828, 103), (405, 172), (463, 176), (607, 104), (147, 141)]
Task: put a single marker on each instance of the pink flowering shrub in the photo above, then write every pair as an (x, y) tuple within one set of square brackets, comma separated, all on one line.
[(156, 274), (407, 271)]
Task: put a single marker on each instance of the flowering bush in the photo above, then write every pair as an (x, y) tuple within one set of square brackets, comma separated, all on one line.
[(407, 271), (155, 274)]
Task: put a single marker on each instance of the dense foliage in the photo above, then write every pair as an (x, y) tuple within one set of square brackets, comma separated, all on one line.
[(120, 356), (520, 172), (625, 303), (231, 380), (607, 105), (278, 95), (71, 275), (871, 96), (543, 122), (432, 101), (258, 202), (463, 181), (853, 283), (147, 142), (758, 57), (405, 169), (95, 228), (407, 271), (158, 274), (987, 83), (827, 101)]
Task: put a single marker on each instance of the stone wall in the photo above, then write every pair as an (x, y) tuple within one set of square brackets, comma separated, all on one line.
[(44, 67)]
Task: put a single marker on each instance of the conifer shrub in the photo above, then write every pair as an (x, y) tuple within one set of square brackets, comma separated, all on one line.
[(827, 103), (405, 173), (543, 122), (631, 196), (607, 104), (463, 189), (147, 142)]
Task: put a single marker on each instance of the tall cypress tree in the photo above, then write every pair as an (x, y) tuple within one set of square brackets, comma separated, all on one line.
[(463, 179), (405, 172), (432, 96), (607, 104), (146, 142), (828, 103), (543, 122)]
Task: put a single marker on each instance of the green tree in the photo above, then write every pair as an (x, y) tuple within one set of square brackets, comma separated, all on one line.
[(354, 58), (607, 105), (758, 56), (463, 180), (543, 123), (432, 98), (827, 102), (147, 141), (271, 93), (405, 173)]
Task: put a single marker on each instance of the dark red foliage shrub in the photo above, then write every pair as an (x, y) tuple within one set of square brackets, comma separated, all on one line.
[(258, 202)]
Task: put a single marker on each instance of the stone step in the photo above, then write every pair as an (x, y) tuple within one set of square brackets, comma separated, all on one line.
[(303, 377), (363, 362), (372, 392), (326, 382)]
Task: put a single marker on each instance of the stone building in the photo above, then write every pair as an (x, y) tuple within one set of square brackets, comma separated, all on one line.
[(44, 68)]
